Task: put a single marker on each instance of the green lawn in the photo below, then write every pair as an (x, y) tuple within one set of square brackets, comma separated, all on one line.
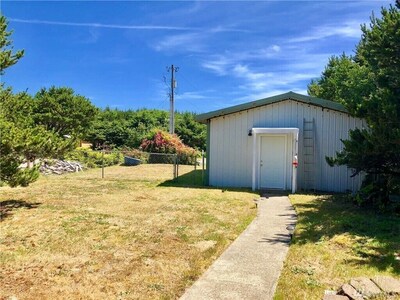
[(132, 235), (334, 241)]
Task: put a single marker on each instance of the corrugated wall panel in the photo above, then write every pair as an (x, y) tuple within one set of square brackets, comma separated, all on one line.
[(228, 156), (231, 147), (333, 176), (248, 154), (318, 146), (343, 177), (300, 119), (245, 171), (322, 129)]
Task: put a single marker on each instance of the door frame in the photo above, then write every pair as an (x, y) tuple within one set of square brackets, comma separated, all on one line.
[(285, 161), (292, 135)]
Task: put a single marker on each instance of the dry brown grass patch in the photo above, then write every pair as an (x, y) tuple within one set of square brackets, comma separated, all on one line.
[(122, 237)]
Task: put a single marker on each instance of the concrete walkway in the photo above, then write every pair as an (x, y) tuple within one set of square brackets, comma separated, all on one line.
[(250, 267)]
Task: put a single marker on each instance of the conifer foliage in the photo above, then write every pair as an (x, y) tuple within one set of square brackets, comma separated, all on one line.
[(7, 55), (45, 126), (368, 85)]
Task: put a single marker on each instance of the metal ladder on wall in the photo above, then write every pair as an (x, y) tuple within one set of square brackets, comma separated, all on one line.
[(309, 155)]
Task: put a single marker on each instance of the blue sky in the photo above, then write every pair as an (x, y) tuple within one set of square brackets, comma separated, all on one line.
[(116, 53)]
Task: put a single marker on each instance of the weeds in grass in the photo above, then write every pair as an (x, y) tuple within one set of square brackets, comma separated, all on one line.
[(334, 241)]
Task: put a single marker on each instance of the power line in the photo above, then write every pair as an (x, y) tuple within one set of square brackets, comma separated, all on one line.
[(193, 103)]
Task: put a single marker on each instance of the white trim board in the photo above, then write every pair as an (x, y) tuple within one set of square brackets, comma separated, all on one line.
[(257, 133)]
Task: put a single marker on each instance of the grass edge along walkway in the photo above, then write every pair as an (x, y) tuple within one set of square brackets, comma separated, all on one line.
[(250, 267), (126, 236), (335, 241)]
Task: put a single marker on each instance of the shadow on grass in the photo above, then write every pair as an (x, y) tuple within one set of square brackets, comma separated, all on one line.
[(194, 179), (7, 207), (273, 193), (375, 238), (191, 179)]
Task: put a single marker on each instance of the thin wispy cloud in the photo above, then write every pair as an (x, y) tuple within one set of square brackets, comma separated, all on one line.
[(218, 65), (94, 35), (196, 41), (188, 42), (308, 61), (241, 52), (222, 64), (219, 69), (217, 29), (244, 72), (261, 75), (192, 95), (266, 82), (276, 48), (101, 25), (222, 29), (348, 30), (266, 94), (285, 60)]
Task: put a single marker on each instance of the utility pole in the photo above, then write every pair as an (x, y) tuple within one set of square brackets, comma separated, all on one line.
[(171, 101)]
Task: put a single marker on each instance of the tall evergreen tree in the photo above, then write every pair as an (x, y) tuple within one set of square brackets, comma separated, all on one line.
[(10, 135), (35, 128), (192, 133), (7, 55), (60, 110), (368, 84)]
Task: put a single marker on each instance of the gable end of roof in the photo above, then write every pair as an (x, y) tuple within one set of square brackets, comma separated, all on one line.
[(202, 118)]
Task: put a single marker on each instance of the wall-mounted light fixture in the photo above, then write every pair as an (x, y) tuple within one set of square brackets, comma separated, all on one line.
[(250, 132)]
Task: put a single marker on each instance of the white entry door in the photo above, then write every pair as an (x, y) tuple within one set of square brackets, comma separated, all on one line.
[(273, 162)]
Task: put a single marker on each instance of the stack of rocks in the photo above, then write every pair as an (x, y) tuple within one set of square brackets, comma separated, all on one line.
[(60, 167), (360, 288)]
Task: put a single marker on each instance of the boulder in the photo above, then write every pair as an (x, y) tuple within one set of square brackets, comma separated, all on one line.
[(351, 292), (365, 286), (335, 297), (387, 284)]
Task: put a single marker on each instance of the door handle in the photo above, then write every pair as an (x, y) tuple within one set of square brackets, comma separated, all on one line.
[(261, 163)]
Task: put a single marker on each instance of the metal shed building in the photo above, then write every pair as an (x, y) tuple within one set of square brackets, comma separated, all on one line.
[(279, 143)]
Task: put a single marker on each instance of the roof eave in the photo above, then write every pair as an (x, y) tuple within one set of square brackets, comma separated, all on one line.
[(324, 104)]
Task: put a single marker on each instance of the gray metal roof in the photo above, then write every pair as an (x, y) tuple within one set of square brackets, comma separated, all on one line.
[(202, 118)]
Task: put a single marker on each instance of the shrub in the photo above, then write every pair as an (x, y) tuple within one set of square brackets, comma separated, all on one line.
[(136, 153), (94, 159), (377, 190), (162, 142)]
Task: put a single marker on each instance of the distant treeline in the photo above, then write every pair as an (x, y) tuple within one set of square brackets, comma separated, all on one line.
[(128, 128)]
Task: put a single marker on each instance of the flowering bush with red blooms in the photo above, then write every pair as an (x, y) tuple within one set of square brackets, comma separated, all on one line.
[(163, 142)]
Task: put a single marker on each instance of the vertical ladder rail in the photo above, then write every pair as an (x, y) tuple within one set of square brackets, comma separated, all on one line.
[(309, 155)]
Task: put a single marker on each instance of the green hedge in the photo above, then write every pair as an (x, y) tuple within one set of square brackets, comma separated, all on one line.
[(94, 159)]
